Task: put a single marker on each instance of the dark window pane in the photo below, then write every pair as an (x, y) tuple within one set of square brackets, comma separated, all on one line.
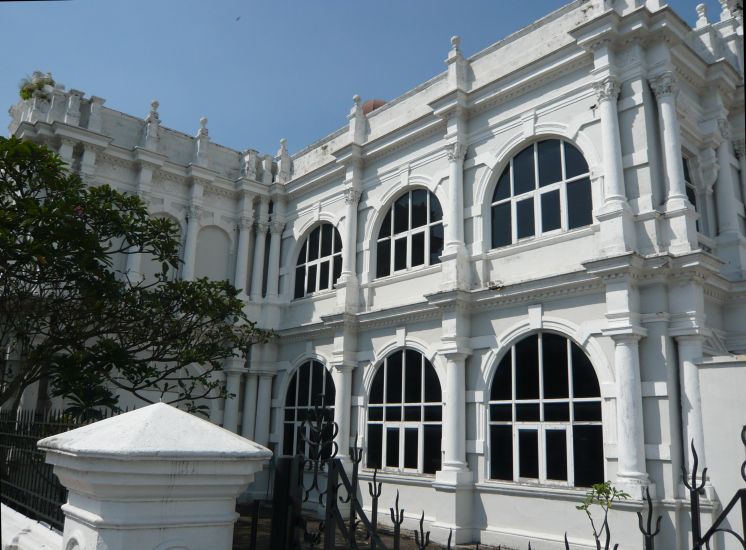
[(687, 176), (393, 413), (575, 164), (418, 249), (302, 254), (400, 253), (385, 226), (432, 384), (337, 241), (527, 412), (523, 171), (413, 380), (383, 258), (588, 455), (337, 268), (587, 411), (317, 383), (300, 281), (579, 203), (289, 415), (394, 377), (326, 239), (556, 455), (550, 211), (436, 243), (311, 279), (288, 431), (401, 213), (304, 381), (501, 452), (554, 355), (550, 161), (436, 212), (313, 244), (584, 381), (419, 207), (556, 412), (527, 368), (290, 395), (502, 384), (412, 414), (433, 413), (691, 195), (431, 448), (375, 413), (392, 447), (501, 225), (375, 444), (502, 189), (524, 212), (528, 454), (376, 388), (324, 275), (501, 413), (410, 448)]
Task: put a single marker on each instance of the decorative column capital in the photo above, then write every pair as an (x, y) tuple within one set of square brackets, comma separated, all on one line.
[(194, 212), (262, 227), (245, 222), (276, 226), (724, 128), (739, 147), (664, 85), (352, 195), (456, 151), (607, 89)]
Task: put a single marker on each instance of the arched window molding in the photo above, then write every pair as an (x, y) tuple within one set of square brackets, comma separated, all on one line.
[(543, 188), (404, 414), (318, 262), (409, 234), (545, 410), (304, 389)]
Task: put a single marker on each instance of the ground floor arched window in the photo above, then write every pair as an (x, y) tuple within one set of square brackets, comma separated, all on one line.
[(405, 413), (545, 414), (310, 386)]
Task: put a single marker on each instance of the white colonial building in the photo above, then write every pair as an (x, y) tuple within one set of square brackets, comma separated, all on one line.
[(522, 277)]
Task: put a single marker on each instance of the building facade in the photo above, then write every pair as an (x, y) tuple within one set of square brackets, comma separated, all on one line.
[(522, 277)]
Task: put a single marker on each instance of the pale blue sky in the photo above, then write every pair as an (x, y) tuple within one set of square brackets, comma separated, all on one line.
[(284, 69)]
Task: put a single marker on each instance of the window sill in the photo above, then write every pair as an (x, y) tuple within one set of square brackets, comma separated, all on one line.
[(540, 242), (398, 476), (403, 276), (518, 488), (315, 297)]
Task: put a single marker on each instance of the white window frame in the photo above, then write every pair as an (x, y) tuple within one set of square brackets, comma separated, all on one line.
[(542, 426), (306, 264), (536, 194)]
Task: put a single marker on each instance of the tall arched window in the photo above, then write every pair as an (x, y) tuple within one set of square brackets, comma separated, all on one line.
[(545, 188), (411, 234), (319, 262), (545, 414), (405, 413), (309, 383)]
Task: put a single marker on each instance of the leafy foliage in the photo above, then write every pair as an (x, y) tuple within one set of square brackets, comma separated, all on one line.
[(34, 84), (603, 495), (76, 318)]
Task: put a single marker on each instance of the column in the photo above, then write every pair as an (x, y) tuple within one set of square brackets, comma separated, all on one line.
[(263, 408), (665, 89), (349, 251), (240, 281), (273, 273), (233, 370), (630, 435), (690, 351), (134, 259), (607, 93), (248, 421), (262, 226), (342, 376), (194, 213), (455, 229), (725, 195), (454, 424)]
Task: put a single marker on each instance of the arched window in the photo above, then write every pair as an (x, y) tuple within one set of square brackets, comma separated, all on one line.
[(309, 383), (545, 414), (545, 188), (411, 233), (405, 413), (319, 262)]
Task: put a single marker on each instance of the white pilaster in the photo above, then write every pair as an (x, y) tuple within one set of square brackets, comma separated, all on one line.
[(233, 369), (342, 376), (690, 352), (194, 213), (273, 273), (454, 424), (248, 420), (240, 280), (262, 226), (263, 408), (725, 195)]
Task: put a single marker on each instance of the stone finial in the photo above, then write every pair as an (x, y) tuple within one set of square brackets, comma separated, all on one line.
[(701, 16), (248, 164), (455, 42), (267, 170), (202, 140), (152, 125), (283, 162), (153, 114), (457, 65), (725, 12), (203, 126), (357, 123)]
